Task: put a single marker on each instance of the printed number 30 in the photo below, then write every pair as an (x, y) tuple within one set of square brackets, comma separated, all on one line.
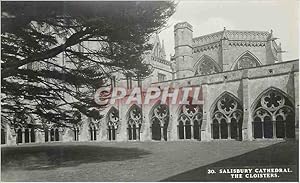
[(211, 171)]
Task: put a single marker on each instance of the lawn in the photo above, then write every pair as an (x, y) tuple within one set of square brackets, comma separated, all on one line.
[(139, 161)]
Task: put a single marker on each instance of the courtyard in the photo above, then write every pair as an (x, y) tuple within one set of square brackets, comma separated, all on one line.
[(140, 161)]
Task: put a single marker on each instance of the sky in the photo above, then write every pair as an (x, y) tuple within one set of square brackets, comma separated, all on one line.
[(208, 16)]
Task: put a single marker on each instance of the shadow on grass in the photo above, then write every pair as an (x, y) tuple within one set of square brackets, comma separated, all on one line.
[(55, 156), (280, 155)]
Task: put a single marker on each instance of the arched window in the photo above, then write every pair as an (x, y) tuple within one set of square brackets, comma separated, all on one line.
[(51, 133), (134, 123), (247, 60), (19, 135), (3, 130), (112, 124), (46, 131), (3, 135), (160, 122), (76, 131), (32, 134), (189, 122), (93, 131), (206, 65), (227, 119), (273, 116), (56, 134)]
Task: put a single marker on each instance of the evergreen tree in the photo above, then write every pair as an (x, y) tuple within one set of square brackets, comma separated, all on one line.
[(56, 54)]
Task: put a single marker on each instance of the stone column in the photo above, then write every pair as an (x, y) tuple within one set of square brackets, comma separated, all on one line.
[(162, 132), (29, 135), (274, 128), (184, 131), (263, 130), (192, 131), (220, 134), (206, 130), (229, 130), (23, 135), (60, 134), (145, 133), (247, 120), (49, 135), (296, 88)]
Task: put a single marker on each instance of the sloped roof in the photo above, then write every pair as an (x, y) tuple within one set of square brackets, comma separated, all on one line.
[(236, 35)]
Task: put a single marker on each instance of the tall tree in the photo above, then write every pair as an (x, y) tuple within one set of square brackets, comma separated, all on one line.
[(51, 50)]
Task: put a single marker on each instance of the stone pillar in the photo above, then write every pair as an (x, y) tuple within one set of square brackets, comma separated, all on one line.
[(296, 91), (146, 134), (42, 139), (263, 131), (206, 121), (192, 131), (122, 133), (274, 127), (29, 135), (220, 134), (229, 130), (23, 135), (247, 119), (49, 135), (162, 132), (225, 62), (172, 128)]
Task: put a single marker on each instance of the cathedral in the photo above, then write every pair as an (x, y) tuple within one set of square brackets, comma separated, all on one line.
[(249, 93)]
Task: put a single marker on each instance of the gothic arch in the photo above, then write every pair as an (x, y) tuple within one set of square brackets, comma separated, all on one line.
[(113, 123), (52, 133), (291, 99), (222, 95), (26, 130), (273, 115), (159, 121), (206, 65), (189, 122), (93, 131), (134, 122), (227, 117), (245, 60)]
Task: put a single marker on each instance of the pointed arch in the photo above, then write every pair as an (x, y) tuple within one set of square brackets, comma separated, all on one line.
[(272, 88), (273, 114), (134, 122), (225, 93), (159, 121), (245, 60), (93, 131), (189, 122), (113, 123), (227, 117), (206, 65), (76, 130)]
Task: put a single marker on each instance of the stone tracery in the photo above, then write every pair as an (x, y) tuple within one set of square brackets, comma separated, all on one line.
[(273, 116), (189, 122), (246, 61), (227, 118), (160, 122), (206, 66), (112, 123), (134, 123)]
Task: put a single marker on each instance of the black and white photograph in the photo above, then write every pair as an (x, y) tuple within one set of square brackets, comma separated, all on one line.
[(150, 91)]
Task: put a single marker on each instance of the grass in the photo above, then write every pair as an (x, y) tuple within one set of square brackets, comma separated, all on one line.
[(138, 161)]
